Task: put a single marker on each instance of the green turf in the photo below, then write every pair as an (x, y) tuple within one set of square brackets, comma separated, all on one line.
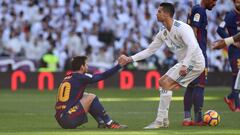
[(30, 112)]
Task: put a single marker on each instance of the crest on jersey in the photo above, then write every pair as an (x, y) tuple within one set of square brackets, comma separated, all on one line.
[(165, 33), (196, 17)]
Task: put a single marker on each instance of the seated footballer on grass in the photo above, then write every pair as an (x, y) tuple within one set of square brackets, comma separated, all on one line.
[(73, 103)]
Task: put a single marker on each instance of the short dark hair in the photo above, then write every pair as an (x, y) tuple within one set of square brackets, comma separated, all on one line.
[(168, 7), (77, 62)]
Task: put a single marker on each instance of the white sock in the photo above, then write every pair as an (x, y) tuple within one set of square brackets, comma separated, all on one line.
[(108, 123), (164, 103), (237, 82)]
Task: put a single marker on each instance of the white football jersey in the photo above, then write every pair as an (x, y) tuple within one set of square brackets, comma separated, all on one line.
[(180, 40)]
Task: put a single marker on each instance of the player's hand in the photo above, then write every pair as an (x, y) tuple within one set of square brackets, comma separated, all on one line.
[(219, 44), (183, 70), (123, 60)]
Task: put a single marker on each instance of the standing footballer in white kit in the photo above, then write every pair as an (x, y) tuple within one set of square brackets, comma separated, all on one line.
[(180, 39)]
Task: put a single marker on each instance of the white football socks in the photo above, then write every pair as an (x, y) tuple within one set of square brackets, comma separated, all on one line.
[(237, 82), (164, 103)]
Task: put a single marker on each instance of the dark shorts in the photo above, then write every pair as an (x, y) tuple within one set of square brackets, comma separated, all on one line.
[(72, 118)]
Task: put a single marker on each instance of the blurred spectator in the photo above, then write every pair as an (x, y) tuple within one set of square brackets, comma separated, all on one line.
[(97, 28)]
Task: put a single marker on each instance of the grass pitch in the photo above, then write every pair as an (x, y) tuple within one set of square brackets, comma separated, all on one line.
[(30, 112)]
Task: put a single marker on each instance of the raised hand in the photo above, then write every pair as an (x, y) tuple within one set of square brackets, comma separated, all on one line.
[(183, 71)]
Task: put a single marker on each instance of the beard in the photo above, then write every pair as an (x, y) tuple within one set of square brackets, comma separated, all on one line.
[(237, 6)]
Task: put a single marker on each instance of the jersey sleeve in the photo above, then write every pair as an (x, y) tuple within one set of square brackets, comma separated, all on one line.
[(221, 30), (189, 39), (101, 76), (197, 17), (151, 49)]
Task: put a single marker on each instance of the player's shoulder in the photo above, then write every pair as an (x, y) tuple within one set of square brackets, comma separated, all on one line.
[(179, 24), (198, 8), (230, 14), (82, 77)]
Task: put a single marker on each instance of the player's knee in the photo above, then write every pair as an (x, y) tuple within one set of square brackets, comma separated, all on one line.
[(91, 96), (164, 84)]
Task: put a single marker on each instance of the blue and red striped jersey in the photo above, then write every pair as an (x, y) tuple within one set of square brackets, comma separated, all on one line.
[(73, 86), (198, 18)]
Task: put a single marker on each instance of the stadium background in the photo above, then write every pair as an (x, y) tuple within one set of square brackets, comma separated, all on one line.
[(100, 29), (42, 35)]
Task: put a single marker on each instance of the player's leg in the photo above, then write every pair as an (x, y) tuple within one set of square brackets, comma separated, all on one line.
[(164, 104), (233, 99), (86, 101), (167, 83), (229, 99), (162, 120), (237, 88), (198, 97), (198, 100), (76, 115), (237, 82), (99, 113), (188, 106)]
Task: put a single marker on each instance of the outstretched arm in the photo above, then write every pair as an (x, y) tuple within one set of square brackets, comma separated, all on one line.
[(150, 50), (104, 75), (221, 31), (227, 41)]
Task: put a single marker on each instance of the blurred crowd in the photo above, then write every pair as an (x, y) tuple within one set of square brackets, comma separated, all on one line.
[(100, 29)]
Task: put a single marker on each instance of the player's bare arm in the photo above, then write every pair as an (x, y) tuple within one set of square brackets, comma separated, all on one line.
[(236, 38), (227, 41)]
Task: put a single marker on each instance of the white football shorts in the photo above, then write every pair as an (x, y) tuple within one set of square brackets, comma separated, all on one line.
[(194, 70)]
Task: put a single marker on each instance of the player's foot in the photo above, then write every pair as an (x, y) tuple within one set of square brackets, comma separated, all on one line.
[(115, 125), (230, 103), (188, 123), (166, 122), (102, 125), (237, 109), (201, 123), (155, 125)]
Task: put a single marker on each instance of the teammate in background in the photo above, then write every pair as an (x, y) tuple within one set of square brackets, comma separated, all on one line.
[(194, 94), (232, 24), (180, 39), (73, 102)]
